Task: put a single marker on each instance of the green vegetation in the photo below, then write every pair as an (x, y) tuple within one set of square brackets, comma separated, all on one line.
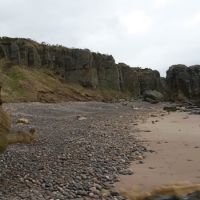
[(22, 84)]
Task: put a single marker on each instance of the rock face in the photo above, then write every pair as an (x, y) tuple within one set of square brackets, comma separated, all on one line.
[(183, 82), (75, 65), (93, 70), (128, 79), (137, 80)]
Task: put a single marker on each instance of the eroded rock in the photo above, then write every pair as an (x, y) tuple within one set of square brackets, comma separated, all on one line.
[(183, 82), (8, 136)]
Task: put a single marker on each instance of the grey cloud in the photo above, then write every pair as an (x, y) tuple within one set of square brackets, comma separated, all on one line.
[(96, 25)]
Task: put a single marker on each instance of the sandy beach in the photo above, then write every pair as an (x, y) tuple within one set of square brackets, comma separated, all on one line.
[(175, 138), (85, 148)]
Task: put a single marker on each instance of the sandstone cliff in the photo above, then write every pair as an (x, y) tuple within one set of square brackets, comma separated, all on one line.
[(183, 82), (97, 71), (139, 80), (89, 69)]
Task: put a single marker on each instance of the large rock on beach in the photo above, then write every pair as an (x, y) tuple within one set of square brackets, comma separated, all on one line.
[(153, 96)]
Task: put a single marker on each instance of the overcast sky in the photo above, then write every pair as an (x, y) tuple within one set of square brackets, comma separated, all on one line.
[(146, 33)]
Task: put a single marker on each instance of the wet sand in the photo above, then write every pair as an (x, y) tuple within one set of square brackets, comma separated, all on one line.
[(175, 138)]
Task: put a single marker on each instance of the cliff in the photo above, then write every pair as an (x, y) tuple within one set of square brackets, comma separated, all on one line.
[(95, 71), (183, 82), (89, 69)]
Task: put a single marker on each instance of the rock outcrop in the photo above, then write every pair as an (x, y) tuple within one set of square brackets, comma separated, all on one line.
[(8, 136), (92, 70), (75, 65), (95, 70), (183, 82), (138, 80)]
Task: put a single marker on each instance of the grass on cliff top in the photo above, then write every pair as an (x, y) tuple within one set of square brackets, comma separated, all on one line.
[(24, 84)]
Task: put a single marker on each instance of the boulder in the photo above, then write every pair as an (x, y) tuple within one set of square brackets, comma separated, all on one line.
[(153, 96), (23, 121)]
